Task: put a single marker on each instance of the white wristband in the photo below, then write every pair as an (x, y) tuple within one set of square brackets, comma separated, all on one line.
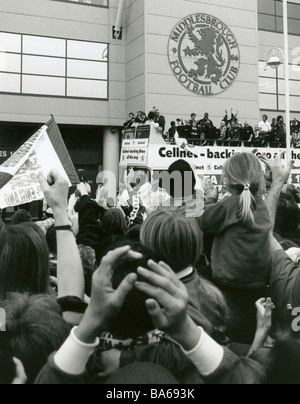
[(74, 354), (207, 356)]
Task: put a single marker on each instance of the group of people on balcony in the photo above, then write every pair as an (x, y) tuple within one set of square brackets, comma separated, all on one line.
[(231, 131)]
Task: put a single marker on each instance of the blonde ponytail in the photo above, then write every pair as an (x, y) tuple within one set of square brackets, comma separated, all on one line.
[(247, 206)]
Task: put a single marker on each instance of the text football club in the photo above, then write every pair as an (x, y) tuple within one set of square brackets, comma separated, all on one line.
[(204, 54)]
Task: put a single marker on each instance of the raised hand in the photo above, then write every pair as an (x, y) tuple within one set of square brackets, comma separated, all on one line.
[(55, 189), (106, 302), (168, 303), (104, 299), (281, 172), (264, 315), (168, 296)]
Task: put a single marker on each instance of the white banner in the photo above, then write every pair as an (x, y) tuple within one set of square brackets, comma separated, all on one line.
[(36, 156)]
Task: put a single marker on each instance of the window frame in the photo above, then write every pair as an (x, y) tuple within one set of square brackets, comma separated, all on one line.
[(82, 4), (65, 77)]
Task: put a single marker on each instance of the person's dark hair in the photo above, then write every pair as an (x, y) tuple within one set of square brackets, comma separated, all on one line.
[(173, 123), (35, 329), (280, 118), (285, 363), (134, 233), (288, 214), (21, 216), (291, 189), (24, 260), (104, 245), (265, 116), (51, 240), (181, 181), (133, 320), (114, 223), (151, 115)]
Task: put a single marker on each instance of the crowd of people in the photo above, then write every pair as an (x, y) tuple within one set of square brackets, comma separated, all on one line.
[(198, 290), (230, 132)]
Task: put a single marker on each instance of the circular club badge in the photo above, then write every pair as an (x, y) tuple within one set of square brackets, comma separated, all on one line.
[(204, 54)]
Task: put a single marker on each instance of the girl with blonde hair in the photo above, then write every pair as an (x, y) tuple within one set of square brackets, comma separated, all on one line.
[(241, 225)]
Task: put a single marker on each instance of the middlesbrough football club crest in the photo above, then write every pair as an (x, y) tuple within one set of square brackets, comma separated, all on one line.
[(204, 54)]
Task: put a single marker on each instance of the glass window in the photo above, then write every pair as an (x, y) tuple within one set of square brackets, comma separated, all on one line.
[(10, 42), (266, 6), (44, 68), (294, 103), (44, 65), (267, 85), (36, 45), (271, 13), (295, 72), (294, 87), (266, 22), (10, 62), (43, 85), (87, 50), (87, 88), (91, 70), (10, 83), (268, 101), (293, 9), (100, 3)]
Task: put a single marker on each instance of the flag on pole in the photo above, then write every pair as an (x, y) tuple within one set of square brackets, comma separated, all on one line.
[(41, 153)]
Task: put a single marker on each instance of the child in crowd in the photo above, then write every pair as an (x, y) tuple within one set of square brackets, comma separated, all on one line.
[(241, 223)]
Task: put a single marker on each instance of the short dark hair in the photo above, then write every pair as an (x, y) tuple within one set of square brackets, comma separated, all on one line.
[(35, 329), (134, 233), (24, 260), (21, 216), (180, 167), (265, 116), (288, 214), (114, 223)]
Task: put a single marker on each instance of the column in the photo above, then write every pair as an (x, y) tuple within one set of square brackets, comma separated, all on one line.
[(111, 157)]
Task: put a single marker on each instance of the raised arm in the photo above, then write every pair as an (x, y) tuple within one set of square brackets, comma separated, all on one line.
[(69, 363), (280, 176), (264, 324), (69, 267)]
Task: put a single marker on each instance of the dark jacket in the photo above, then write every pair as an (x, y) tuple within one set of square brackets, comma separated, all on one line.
[(89, 225), (240, 254)]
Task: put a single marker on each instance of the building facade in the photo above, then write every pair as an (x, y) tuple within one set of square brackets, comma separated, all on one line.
[(60, 57)]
